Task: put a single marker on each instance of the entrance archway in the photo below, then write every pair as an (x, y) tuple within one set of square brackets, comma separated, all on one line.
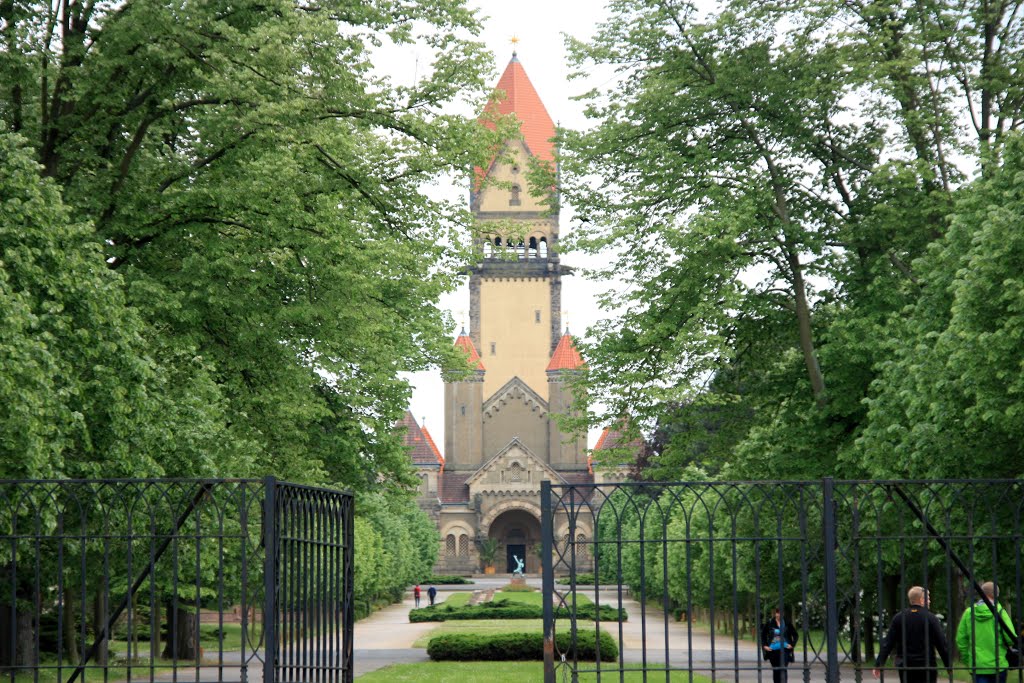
[(518, 533)]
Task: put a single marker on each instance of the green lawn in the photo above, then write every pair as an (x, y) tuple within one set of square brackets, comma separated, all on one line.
[(537, 598), (501, 672), (457, 599)]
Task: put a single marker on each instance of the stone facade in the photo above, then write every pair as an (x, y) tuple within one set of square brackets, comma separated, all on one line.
[(501, 437)]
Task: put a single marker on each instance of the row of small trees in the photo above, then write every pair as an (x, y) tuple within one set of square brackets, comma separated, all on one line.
[(731, 553)]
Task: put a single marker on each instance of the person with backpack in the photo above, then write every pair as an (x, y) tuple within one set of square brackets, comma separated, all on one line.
[(982, 641)]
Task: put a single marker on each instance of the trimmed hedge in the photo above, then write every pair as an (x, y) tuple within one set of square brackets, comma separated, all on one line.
[(507, 609), (469, 647), (446, 580), (583, 579)]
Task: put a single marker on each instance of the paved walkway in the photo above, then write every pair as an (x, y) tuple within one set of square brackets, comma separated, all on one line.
[(387, 637)]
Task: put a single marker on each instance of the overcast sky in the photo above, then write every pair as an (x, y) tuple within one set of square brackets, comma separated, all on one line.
[(540, 27)]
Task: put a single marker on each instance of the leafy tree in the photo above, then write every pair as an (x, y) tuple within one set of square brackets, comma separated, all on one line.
[(765, 176), (258, 187), (949, 403)]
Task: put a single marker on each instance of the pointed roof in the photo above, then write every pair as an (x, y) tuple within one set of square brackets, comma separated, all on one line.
[(420, 449), (565, 357), (520, 98), (433, 446), (472, 357)]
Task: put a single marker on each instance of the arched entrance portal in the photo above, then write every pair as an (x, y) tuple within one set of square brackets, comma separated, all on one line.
[(518, 532)]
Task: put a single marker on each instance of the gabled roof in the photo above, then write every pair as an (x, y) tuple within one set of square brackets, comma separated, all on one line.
[(421, 451), (520, 98), (516, 444), (565, 357), (433, 446), (472, 357), (451, 487)]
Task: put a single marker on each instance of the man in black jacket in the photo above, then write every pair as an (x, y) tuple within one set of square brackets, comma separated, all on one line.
[(915, 635)]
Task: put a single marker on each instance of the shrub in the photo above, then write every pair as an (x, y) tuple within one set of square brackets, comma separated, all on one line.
[(447, 580), (506, 609), (466, 647), (582, 579), (518, 588)]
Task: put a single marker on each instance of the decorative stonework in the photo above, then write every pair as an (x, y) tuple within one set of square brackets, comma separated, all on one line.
[(500, 508), (515, 390)]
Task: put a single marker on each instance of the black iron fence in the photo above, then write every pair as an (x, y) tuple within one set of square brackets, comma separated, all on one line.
[(121, 580), (701, 567)]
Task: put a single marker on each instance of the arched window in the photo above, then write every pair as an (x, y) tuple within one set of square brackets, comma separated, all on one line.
[(515, 473), (463, 545), (513, 199), (542, 248), (497, 241), (449, 545), (582, 549), (521, 249), (532, 250), (488, 249)]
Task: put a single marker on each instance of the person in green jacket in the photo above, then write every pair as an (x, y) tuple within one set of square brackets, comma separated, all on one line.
[(982, 641)]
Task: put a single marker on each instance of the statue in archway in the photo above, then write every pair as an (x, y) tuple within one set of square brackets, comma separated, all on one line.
[(518, 571)]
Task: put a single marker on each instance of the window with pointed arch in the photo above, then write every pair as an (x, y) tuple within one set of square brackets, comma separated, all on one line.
[(542, 248), (531, 251), (514, 197), (463, 545), (449, 545)]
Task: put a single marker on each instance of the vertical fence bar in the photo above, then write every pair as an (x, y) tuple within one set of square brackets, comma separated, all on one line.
[(831, 594), (270, 580), (547, 580), (350, 611)]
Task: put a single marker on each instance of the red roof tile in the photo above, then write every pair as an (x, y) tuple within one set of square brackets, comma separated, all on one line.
[(416, 443), (565, 357), (614, 437), (472, 357), (433, 446), (452, 488)]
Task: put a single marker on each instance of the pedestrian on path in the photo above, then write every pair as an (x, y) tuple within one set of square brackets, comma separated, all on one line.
[(431, 594), (982, 641), (915, 635), (777, 640), (416, 594)]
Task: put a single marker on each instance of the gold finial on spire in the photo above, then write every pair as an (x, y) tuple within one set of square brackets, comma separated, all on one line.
[(515, 43), (565, 319)]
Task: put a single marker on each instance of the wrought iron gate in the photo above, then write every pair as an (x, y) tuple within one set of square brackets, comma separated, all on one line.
[(215, 580), (699, 567)]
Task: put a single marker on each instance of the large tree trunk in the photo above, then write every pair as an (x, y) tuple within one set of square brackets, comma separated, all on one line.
[(24, 636), (182, 635), (100, 614), (69, 633)]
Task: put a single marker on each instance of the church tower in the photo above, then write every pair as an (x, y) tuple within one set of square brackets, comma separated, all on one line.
[(502, 439), (516, 290)]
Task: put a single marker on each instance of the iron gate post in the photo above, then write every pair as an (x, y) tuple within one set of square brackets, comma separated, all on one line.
[(831, 593), (270, 580), (547, 579)]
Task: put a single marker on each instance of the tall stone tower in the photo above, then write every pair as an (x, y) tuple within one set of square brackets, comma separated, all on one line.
[(516, 291), (501, 436)]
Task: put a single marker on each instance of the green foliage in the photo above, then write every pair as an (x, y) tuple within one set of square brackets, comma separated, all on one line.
[(813, 286), (488, 550), (258, 189), (519, 646), (396, 545), (581, 579), (443, 580), (506, 608)]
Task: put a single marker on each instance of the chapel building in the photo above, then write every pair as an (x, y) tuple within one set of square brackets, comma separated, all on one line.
[(501, 437)]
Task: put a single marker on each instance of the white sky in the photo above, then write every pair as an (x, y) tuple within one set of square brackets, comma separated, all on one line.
[(540, 26)]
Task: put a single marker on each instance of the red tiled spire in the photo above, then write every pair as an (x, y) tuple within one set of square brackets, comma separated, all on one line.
[(472, 357), (520, 98), (433, 446), (565, 357), (420, 450)]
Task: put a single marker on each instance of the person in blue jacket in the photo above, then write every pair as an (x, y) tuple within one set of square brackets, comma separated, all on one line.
[(778, 637)]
